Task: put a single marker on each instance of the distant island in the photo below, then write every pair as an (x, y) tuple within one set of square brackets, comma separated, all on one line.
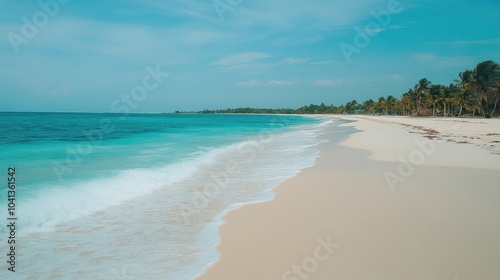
[(474, 93)]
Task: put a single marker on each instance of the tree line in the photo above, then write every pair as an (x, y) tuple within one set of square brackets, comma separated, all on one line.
[(475, 92)]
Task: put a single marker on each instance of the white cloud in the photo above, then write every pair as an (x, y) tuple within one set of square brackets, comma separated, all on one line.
[(327, 83), (424, 57), (62, 90), (189, 37), (470, 42), (294, 60), (301, 14), (324, 62), (375, 30), (401, 26), (193, 9), (251, 83), (128, 41), (281, 82), (395, 77), (241, 59), (323, 83), (301, 39), (446, 61)]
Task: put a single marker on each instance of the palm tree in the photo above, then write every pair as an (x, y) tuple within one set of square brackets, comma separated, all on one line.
[(487, 80), (382, 105), (398, 107), (465, 88), (408, 102), (493, 87), (390, 104), (368, 106), (495, 96), (413, 96), (451, 91), (434, 94), (420, 89), (464, 100), (446, 97), (351, 106)]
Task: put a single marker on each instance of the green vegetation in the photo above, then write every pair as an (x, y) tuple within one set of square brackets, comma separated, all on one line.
[(474, 92)]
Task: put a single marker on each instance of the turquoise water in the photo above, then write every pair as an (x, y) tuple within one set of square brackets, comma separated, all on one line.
[(104, 189), (99, 143)]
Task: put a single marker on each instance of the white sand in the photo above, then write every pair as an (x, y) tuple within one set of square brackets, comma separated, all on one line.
[(483, 133), (440, 222)]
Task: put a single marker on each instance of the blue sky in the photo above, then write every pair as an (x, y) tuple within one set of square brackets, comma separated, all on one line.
[(87, 55)]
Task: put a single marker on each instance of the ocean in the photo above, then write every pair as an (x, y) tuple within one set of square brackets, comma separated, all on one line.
[(139, 196)]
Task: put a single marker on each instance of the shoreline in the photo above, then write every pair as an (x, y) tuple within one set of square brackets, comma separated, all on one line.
[(265, 240), (222, 218), (266, 197)]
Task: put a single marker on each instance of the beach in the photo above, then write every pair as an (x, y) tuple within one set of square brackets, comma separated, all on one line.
[(388, 198), (236, 140)]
